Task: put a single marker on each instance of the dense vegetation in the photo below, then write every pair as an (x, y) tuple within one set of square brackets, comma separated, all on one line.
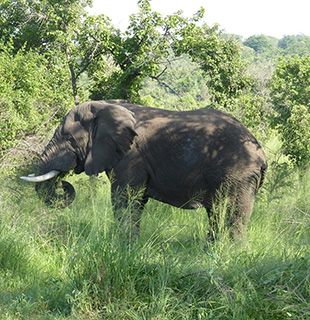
[(71, 264)]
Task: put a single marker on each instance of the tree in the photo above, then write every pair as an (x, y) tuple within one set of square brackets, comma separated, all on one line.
[(181, 86), (219, 57), (85, 46), (25, 23), (34, 94), (115, 64), (295, 45), (142, 51), (290, 96), (57, 28), (262, 44)]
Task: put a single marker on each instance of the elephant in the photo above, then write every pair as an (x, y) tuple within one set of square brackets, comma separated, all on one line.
[(181, 158)]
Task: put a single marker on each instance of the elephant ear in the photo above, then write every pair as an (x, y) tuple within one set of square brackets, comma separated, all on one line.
[(112, 136)]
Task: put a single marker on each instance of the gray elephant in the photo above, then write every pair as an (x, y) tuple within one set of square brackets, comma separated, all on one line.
[(182, 158)]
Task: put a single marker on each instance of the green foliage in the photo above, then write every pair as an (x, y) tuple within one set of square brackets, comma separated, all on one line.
[(219, 58), (290, 97), (20, 22), (271, 48), (262, 44), (296, 134), (86, 47), (32, 94), (94, 58), (295, 45), (114, 64), (182, 86), (230, 87), (141, 51), (150, 42), (38, 24), (57, 26)]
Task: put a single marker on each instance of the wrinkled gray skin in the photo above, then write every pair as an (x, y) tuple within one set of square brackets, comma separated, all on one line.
[(179, 158)]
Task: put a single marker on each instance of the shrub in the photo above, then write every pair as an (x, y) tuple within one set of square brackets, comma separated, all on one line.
[(290, 96), (32, 91)]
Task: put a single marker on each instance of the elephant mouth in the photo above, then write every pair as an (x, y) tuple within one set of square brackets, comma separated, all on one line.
[(56, 193), (50, 187)]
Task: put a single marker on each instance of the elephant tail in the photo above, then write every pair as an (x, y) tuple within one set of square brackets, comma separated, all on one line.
[(263, 170)]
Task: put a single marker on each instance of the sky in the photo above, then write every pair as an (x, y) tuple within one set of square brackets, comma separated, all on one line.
[(243, 17)]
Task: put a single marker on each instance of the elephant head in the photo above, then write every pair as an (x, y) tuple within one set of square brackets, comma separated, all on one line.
[(93, 138)]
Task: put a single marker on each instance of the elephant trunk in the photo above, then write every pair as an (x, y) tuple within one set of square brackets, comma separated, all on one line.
[(57, 159), (55, 192)]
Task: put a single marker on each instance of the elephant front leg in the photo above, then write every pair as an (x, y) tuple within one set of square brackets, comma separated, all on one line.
[(129, 181), (128, 205)]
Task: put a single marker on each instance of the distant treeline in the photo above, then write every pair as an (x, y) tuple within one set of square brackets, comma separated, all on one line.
[(271, 47)]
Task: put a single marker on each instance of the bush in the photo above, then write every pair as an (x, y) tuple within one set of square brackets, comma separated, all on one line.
[(290, 96), (32, 91)]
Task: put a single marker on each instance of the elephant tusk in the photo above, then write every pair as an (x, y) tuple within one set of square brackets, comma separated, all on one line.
[(44, 177)]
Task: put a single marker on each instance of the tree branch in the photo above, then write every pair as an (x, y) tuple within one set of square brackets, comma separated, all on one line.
[(165, 85)]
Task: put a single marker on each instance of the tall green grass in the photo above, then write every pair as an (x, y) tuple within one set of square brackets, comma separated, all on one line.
[(73, 264)]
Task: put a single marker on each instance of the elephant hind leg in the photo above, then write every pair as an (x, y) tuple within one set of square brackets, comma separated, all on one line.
[(241, 210), (213, 219), (231, 211), (213, 231)]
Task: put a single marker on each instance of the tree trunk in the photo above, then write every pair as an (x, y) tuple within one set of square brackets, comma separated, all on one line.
[(73, 84)]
